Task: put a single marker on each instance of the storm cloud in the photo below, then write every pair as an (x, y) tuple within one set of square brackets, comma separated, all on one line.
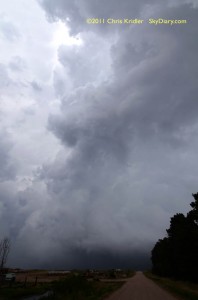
[(104, 144)]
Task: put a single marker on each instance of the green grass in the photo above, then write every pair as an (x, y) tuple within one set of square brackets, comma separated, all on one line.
[(181, 289)]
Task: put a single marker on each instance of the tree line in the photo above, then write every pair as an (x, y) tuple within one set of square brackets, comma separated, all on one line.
[(176, 255)]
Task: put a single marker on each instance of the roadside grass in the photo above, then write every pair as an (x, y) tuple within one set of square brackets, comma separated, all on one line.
[(181, 289)]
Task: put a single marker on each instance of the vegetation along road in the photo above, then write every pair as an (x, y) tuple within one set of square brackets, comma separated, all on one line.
[(140, 288)]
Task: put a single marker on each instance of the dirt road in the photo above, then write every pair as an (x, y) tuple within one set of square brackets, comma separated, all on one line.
[(140, 288)]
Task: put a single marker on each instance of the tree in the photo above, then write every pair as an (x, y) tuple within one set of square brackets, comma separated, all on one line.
[(160, 257), (4, 250), (176, 255), (193, 214), (178, 235), (192, 218)]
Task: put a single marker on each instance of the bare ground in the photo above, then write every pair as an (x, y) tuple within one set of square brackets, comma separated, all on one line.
[(140, 288)]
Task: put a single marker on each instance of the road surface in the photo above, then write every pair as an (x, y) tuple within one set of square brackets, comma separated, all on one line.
[(140, 288)]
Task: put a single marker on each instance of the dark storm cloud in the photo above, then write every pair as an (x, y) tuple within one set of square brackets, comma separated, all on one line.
[(126, 137), (149, 95), (100, 260), (162, 77), (75, 13), (127, 128), (7, 175), (82, 260), (10, 221)]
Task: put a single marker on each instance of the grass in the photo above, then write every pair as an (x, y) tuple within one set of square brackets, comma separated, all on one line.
[(18, 291), (73, 287), (181, 289), (79, 288)]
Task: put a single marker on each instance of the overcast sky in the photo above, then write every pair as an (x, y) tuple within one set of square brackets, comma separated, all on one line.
[(98, 129)]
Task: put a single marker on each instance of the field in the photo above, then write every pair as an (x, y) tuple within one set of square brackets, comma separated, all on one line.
[(78, 285)]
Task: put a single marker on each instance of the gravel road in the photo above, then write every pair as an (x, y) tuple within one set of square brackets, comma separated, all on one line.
[(140, 288)]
